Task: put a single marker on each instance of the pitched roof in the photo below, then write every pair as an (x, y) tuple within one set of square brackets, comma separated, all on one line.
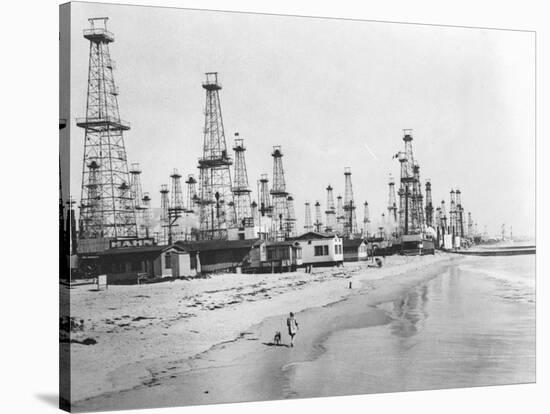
[(206, 245), (314, 235)]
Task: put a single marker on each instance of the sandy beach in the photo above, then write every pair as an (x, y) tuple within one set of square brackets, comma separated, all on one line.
[(151, 334)]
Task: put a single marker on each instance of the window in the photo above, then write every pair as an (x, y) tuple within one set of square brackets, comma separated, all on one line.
[(167, 261), (321, 250)]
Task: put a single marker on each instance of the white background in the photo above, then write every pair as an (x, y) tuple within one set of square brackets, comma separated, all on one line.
[(29, 199)]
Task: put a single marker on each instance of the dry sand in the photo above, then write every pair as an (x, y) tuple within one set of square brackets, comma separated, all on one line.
[(151, 332)]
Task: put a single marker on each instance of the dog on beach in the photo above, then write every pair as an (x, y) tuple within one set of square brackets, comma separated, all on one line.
[(277, 338)]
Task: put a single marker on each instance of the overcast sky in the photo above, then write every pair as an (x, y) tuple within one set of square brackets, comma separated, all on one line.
[(333, 94)]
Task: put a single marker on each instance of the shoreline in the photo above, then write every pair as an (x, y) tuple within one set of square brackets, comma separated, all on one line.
[(376, 286)]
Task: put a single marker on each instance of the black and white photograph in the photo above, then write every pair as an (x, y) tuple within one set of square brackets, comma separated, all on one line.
[(260, 207)]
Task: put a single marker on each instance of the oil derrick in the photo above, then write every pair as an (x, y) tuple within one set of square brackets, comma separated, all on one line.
[(418, 201), (164, 211), (290, 217), (444, 223), (340, 217), (147, 215), (318, 225), (241, 190), (230, 217), (176, 208), (392, 205), (278, 194), (382, 227), (437, 220), (215, 178), (191, 194), (308, 226), (106, 208), (404, 197), (429, 205), (137, 197), (330, 212), (410, 192), (350, 221), (470, 225), (401, 211), (459, 214), (266, 208), (366, 220), (452, 214)]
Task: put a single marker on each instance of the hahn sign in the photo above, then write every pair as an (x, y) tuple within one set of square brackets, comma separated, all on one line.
[(132, 243)]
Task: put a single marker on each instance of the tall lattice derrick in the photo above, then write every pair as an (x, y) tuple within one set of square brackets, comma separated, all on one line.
[(404, 196), (429, 205), (452, 214), (308, 226), (176, 197), (459, 213), (177, 207), (290, 217), (437, 221), (330, 211), (340, 217), (392, 205), (241, 190), (266, 207), (382, 226), (350, 222), (137, 197), (147, 215), (401, 210), (418, 200), (279, 194), (164, 211), (411, 198), (191, 200), (106, 207), (366, 219), (444, 218), (318, 225), (215, 193)]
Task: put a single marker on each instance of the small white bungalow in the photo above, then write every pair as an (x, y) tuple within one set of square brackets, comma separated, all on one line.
[(320, 249)]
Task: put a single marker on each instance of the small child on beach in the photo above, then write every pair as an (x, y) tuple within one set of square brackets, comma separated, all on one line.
[(292, 325)]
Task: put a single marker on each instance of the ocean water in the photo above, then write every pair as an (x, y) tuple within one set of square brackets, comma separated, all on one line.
[(472, 325)]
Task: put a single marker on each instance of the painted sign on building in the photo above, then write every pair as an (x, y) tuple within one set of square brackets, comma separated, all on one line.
[(132, 243)]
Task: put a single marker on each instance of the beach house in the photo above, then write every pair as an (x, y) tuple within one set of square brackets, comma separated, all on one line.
[(320, 249), (125, 265), (227, 255)]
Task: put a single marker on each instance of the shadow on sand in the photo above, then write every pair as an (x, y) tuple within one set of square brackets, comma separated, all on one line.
[(50, 399), (274, 344)]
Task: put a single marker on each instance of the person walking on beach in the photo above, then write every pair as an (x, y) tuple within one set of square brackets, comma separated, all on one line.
[(292, 325)]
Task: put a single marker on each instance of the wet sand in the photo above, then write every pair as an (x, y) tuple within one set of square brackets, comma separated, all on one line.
[(251, 367)]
